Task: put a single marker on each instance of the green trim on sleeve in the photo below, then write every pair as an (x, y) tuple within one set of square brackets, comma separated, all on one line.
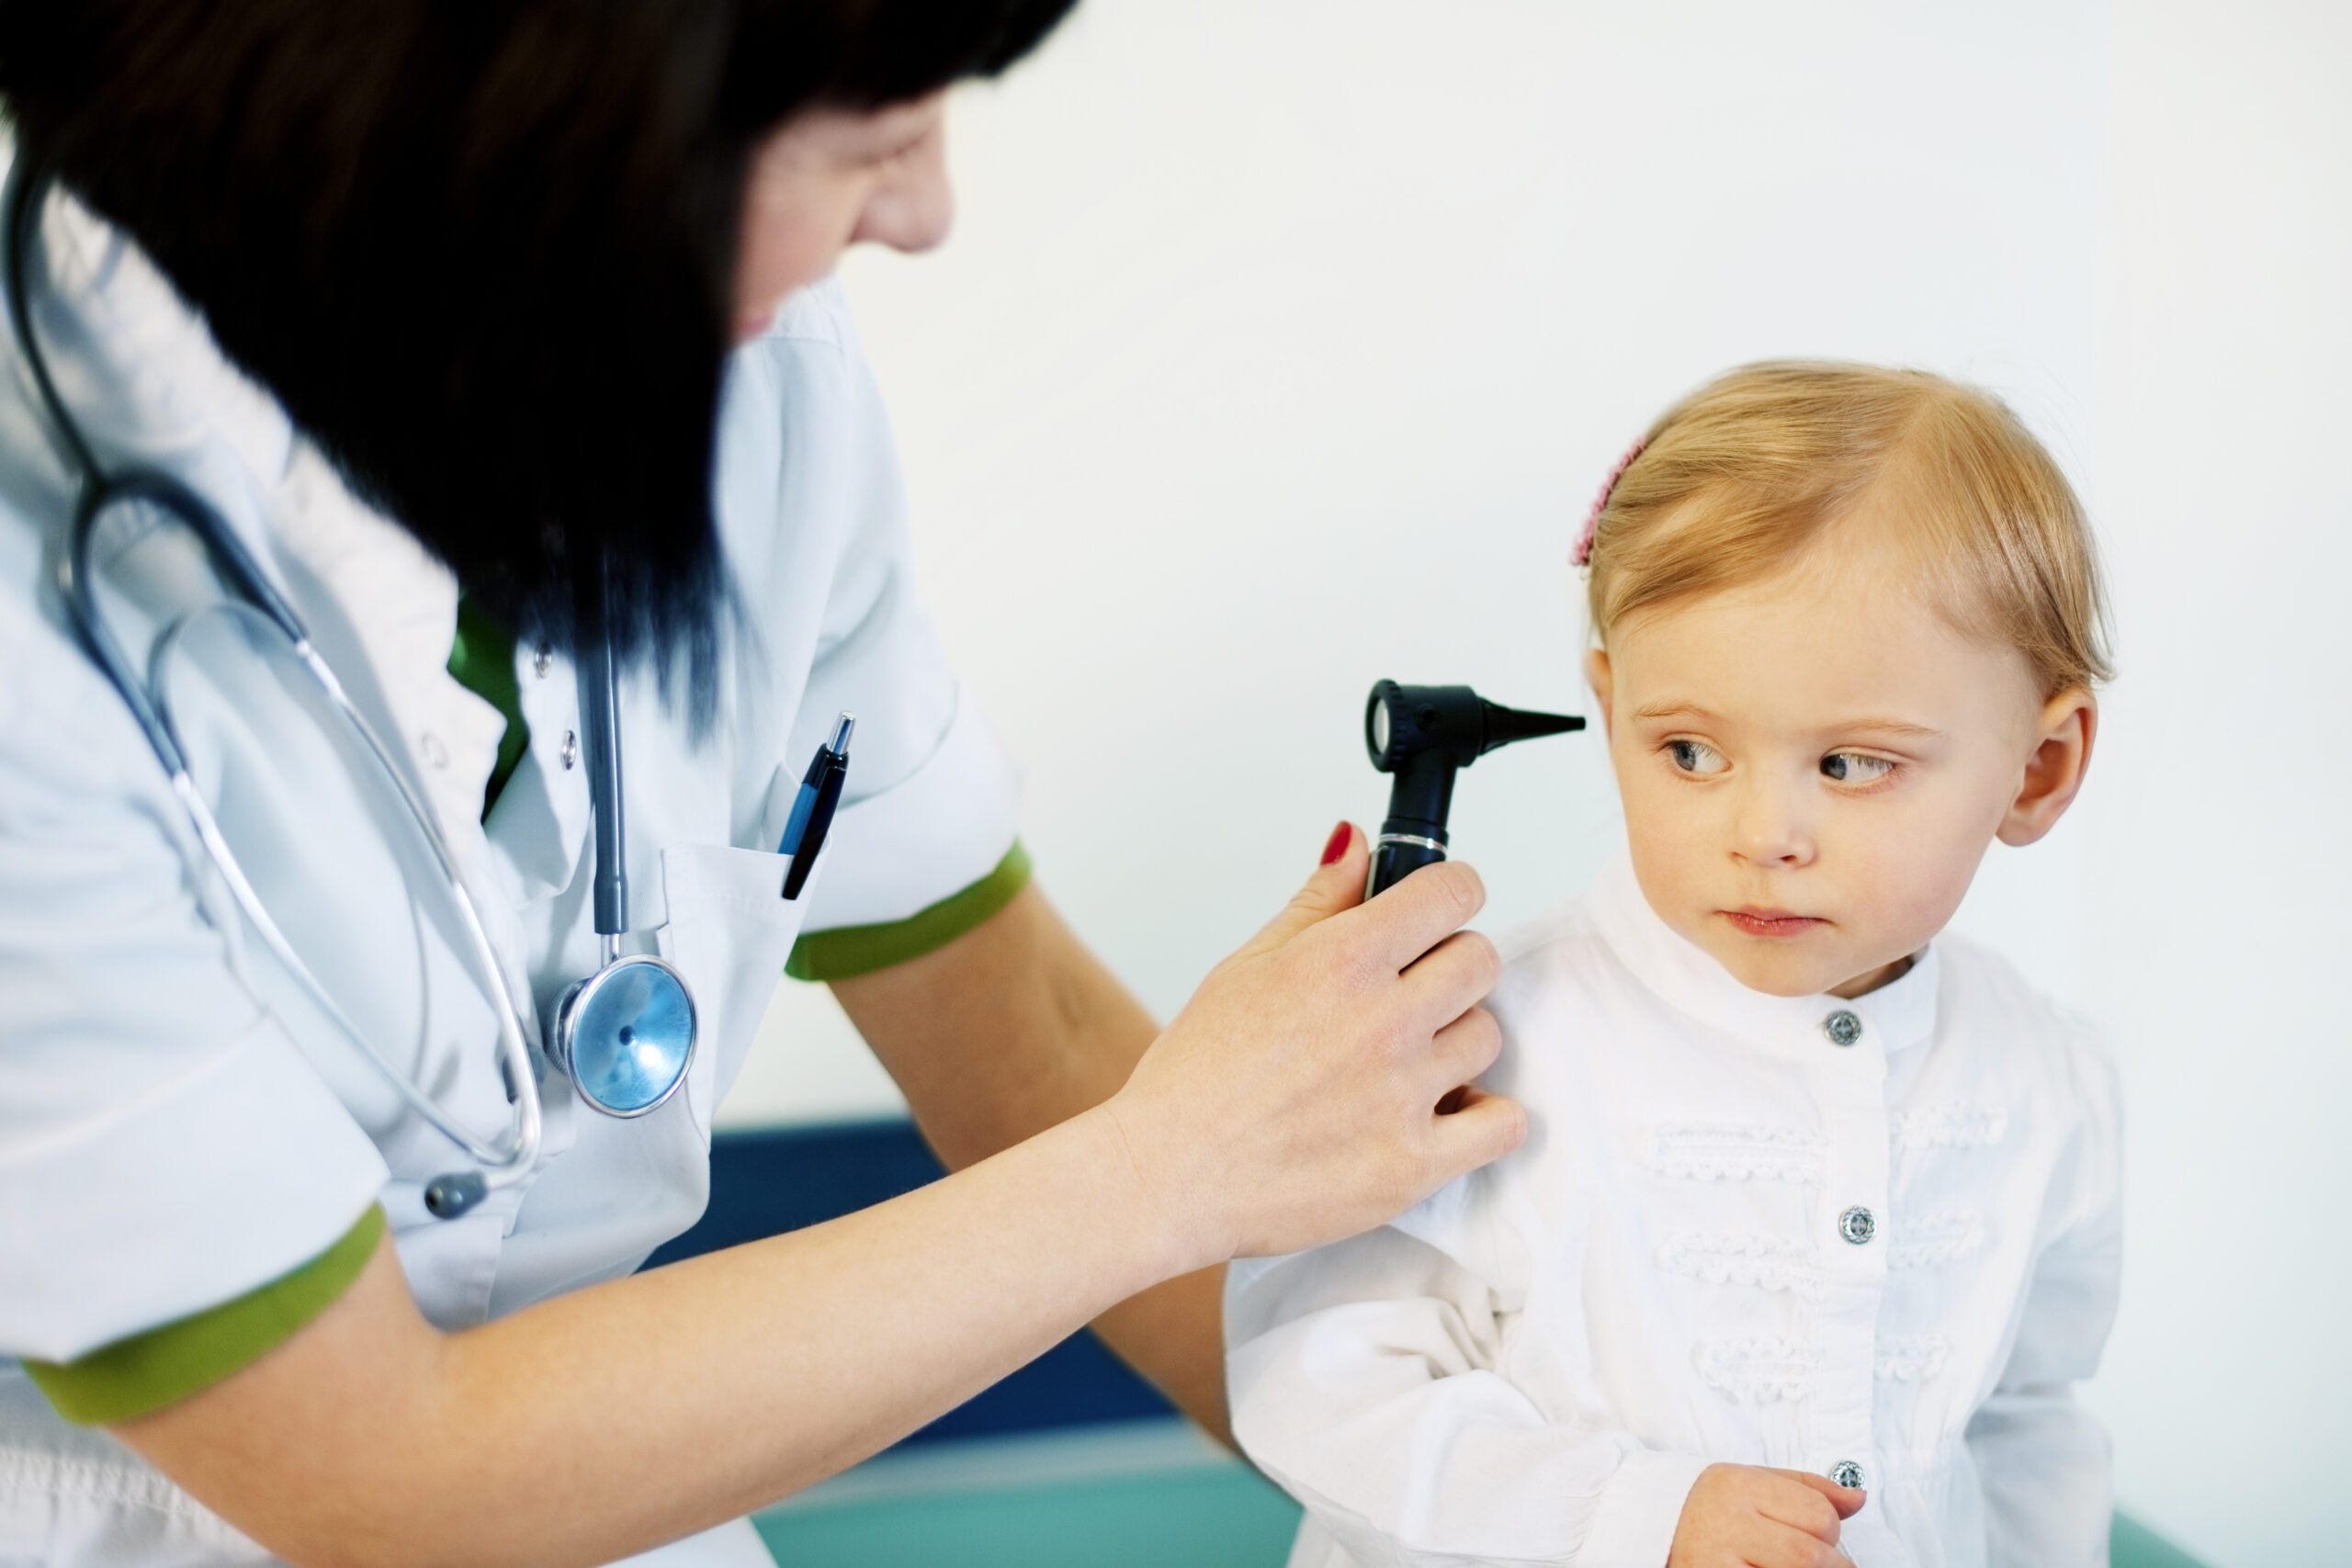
[(845, 951), (162, 1366)]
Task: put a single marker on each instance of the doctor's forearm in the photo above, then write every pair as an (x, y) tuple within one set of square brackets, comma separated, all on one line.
[(1005, 1032), (728, 1381), (1291, 1102)]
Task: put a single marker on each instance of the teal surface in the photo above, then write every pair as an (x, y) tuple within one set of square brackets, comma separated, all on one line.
[(2132, 1544), (1225, 1516)]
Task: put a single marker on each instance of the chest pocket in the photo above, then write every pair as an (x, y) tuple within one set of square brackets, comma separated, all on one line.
[(730, 931)]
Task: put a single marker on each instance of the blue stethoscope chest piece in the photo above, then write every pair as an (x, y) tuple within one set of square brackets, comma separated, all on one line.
[(625, 1035)]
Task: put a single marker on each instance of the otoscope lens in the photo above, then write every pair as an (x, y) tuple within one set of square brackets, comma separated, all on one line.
[(633, 1033)]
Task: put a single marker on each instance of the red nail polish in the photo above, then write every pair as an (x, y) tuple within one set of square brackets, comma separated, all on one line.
[(1342, 837)]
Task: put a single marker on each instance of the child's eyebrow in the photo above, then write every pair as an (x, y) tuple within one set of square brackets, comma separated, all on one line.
[(1898, 727), (1672, 710)]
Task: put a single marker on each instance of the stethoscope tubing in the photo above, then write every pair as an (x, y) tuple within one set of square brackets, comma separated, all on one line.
[(515, 1060), (505, 1161)]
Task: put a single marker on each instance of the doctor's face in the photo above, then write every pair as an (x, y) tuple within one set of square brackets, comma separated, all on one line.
[(1812, 767), (829, 178)]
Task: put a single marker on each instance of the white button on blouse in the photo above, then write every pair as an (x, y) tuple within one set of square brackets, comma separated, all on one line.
[(1874, 1237)]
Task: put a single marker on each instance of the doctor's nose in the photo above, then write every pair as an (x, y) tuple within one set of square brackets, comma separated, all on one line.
[(913, 208)]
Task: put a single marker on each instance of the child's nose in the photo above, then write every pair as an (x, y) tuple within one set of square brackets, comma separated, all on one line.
[(1772, 828)]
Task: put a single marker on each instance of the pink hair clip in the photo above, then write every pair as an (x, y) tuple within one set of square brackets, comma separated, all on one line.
[(1582, 554)]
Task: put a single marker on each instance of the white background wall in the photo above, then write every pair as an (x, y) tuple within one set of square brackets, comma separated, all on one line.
[(1283, 342)]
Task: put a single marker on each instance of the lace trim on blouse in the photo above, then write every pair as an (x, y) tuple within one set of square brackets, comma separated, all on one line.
[(1715, 1151)]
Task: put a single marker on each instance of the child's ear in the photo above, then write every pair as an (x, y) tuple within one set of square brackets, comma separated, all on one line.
[(1598, 676), (2053, 774)]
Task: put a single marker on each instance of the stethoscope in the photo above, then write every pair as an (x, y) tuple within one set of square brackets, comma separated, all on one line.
[(626, 1034)]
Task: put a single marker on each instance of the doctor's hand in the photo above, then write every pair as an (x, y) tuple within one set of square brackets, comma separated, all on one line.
[(1313, 1087)]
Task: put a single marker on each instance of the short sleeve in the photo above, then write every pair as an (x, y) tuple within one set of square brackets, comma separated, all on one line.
[(160, 1367), (165, 1145), (810, 490), (944, 828)]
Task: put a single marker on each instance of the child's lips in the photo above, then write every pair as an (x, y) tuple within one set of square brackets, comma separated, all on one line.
[(1771, 922)]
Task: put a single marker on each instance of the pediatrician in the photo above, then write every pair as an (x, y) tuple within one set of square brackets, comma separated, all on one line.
[(444, 510)]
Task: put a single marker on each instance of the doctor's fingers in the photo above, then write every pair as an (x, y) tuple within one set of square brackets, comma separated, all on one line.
[(1451, 979), (1337, 884), (1393, 931), (1458, 1052), (1478, 1128)]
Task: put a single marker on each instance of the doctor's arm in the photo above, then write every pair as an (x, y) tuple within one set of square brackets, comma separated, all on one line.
[(1292, 1101), (1009, 1030)]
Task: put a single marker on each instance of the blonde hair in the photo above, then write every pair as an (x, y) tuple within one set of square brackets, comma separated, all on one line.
[(1740, 479)]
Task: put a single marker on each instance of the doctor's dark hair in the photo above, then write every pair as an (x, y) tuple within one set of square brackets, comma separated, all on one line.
[(481, 250)]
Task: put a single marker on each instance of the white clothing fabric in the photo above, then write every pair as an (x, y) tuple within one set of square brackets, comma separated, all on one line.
[(1534, 1365), (176, 1129)]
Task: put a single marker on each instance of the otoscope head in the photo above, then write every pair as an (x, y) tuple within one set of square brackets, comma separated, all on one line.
[(1420, 735), (1401, 723)]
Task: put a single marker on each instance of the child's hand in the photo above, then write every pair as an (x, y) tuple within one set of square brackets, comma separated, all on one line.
[(1743, 1515)]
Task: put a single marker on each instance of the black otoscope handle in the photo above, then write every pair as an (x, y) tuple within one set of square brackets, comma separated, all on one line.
[(1396, 857), (1413, 833)]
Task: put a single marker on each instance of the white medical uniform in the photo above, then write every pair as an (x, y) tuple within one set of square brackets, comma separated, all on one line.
[(1777, 1231), (172, 1135)]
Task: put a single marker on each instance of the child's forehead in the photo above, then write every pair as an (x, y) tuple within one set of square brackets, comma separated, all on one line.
[(1857, 626), (1868, 564), (1881, 554)]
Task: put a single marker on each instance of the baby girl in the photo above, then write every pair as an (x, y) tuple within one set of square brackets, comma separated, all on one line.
[(1817, 1222)]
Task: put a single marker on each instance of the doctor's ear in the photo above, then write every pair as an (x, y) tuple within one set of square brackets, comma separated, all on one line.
[(2053, 774), (1597, 675)]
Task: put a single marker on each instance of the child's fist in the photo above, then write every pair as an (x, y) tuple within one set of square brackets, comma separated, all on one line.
[(1743, 1515)]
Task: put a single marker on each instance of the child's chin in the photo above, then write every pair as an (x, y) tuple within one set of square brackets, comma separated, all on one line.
[(1777, 971)]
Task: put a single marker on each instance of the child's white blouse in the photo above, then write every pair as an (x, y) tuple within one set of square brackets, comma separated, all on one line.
[(1797, 1232)]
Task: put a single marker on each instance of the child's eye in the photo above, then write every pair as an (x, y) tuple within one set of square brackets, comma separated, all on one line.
[(1852, 767), (1696, 756)]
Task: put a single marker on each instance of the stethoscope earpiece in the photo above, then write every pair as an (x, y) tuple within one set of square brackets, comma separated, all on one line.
[(448, 1196)]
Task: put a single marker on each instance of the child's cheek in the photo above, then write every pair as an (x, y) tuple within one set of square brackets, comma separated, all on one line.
[(1679, 856), (1913, 873)]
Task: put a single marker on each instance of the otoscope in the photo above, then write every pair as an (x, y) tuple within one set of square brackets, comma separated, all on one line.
[(1422, 734)]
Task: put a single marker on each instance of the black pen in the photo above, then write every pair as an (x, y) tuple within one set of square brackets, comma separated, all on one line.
[(812, 810)]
